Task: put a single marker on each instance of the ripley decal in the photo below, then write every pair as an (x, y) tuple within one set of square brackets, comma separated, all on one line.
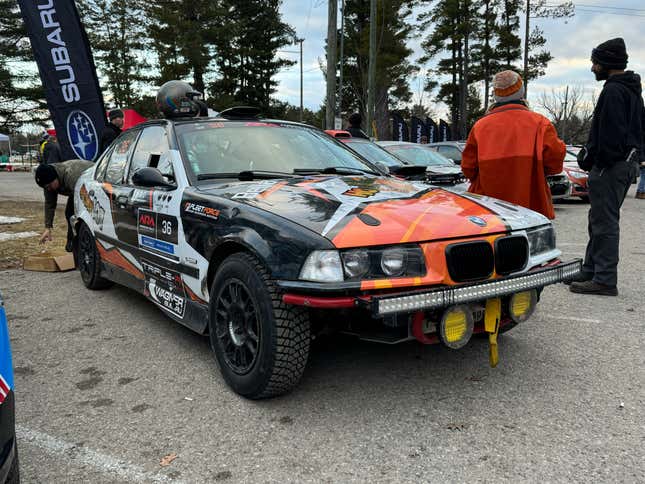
[(166, 288), (212, 213)]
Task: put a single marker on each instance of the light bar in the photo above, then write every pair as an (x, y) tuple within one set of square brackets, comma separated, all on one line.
[(448, 296)]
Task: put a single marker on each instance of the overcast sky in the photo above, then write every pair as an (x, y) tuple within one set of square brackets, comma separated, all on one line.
[(569, 41)]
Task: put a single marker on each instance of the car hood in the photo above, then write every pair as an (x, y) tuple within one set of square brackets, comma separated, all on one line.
[(366, 211), (451, 169)]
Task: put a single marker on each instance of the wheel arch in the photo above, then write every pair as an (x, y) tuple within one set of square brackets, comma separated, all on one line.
[(224, 250)]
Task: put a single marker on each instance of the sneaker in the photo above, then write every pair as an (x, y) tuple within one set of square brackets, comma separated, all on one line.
[(591, 287), (640, 195), (581, 277)]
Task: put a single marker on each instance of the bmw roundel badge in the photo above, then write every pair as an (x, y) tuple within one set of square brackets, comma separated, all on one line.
[(82, 135), (478, 221)]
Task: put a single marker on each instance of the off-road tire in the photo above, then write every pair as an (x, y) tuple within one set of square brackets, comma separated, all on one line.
[(89, 261), (283, 331), (14, 472)]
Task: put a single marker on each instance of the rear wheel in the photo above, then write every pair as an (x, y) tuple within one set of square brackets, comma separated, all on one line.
[(88, 259), (260, 343)]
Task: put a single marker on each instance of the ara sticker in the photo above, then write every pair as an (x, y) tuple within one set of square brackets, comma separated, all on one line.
[(157, 231)]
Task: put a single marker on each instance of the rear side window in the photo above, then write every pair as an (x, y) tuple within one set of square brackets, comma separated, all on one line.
[(115, 171), (450, 152), (152, 143)]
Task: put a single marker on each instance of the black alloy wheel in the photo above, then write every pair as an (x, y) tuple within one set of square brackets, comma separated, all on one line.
[(260, 343), (88, 260), (237, 326)]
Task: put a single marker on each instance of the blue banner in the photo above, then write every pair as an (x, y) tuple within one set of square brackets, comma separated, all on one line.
[(68, 74), (419, 130)]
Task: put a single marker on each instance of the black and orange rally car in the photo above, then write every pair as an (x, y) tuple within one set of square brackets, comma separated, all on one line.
[(261, 233)]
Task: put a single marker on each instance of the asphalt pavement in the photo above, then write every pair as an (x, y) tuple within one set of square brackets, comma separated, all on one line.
[(107, 387), (19, 185)]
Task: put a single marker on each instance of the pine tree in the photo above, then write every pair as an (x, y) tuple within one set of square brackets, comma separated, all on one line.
[(21, 93), (393, 69), (117, 39), (247, 48)]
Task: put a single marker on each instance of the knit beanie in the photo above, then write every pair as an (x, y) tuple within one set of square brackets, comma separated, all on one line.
[(611, 54), (508, 86), (45, 174)]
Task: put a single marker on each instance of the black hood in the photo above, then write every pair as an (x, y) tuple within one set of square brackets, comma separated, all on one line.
[(629, 79)]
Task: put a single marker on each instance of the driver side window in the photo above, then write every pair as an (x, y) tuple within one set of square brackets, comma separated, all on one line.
[(151, 146), (116, 165)]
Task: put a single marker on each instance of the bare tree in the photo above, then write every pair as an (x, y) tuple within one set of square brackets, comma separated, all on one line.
[(570, 112)]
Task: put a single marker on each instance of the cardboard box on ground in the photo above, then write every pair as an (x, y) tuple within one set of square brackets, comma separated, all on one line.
[(49, 261)]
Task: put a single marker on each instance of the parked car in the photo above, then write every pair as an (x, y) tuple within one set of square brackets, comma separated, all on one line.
[(382, 158), (450, 149), (441, 170), (263, 233), (577, 176), (9, 472)]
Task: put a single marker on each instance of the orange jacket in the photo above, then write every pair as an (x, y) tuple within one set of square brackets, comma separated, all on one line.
[(508, 155)]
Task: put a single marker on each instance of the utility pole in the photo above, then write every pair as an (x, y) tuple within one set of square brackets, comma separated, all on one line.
[(342, 58), (565, 117), (526, 50), (371, 74), (331, 63), (301, 105), (464, 78)]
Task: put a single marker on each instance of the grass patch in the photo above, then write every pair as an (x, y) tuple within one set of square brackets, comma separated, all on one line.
[(13, 251)]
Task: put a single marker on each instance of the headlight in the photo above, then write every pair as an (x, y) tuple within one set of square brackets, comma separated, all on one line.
[(541, 240), (356, 263), (322, 266), (394, 262)]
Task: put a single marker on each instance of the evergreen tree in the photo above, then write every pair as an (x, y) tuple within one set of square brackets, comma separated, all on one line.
[(117, 39), (509, 42), (21, 94), (247, 48), (393, 69)]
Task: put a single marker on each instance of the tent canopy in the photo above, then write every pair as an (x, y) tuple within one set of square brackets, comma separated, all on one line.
[(4, 137)]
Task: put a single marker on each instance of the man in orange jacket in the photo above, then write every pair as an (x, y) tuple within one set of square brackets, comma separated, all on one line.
[(511, 150)]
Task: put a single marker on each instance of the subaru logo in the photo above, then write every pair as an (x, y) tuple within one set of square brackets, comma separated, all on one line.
[(82, 135), (478, 221)]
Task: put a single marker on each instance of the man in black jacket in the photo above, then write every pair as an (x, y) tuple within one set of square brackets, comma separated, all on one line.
[(111, 130), (355, 121), (613, 148), (51, 151)]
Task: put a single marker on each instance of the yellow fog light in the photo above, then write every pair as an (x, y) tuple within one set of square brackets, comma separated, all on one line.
[(456, 326), (522, 305)]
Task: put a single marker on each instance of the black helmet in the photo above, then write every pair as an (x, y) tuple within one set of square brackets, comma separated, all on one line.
[(178, 99)]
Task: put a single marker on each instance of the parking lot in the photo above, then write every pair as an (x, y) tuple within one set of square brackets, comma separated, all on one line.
[(108, 389)]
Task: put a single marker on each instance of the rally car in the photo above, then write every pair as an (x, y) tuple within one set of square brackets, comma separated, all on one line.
[(9, 472), (262, 233)]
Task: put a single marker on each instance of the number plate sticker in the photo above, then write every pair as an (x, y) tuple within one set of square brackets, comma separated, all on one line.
[(157, 231)]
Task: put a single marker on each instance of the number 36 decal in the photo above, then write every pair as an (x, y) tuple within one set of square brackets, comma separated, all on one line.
[(157, 225)]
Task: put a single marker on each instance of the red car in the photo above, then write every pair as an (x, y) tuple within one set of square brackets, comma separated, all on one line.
[(576, 175)]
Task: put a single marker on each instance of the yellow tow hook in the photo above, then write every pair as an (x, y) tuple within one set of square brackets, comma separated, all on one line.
[(491, 325)]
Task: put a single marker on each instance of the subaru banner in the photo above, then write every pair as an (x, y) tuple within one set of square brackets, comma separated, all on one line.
[(433, 130), (419, 130), (62, 52), (399, 128), (445, 133)]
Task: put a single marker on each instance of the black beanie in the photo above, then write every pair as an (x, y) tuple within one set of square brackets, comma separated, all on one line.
[(115, 113), (611, 54), (45, 174)]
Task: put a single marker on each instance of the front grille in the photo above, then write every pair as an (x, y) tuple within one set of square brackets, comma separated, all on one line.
[(470, 261), (511, 254)]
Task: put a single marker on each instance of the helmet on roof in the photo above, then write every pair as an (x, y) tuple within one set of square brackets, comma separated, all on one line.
[(178, 99)]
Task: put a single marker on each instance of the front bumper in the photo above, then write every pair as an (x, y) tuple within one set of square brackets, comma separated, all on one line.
[(445, 296)]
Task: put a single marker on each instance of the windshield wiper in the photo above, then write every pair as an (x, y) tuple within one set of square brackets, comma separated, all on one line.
[(338, 170), (247, 175)]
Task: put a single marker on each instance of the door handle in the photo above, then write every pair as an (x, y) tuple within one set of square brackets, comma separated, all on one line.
[(122, 200)]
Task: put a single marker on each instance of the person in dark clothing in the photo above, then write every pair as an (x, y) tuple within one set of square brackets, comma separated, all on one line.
[(51, 151), (355, 121), (59, 179), (111, 130), (612, 152)]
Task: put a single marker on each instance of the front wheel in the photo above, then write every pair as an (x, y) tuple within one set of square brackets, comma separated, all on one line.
[(260, 343), (89, 261)]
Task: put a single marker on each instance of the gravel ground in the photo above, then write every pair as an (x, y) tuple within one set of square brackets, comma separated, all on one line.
[(107, 386)]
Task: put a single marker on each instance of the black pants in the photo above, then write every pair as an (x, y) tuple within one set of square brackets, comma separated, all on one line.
[(607, 190), (69, 211)]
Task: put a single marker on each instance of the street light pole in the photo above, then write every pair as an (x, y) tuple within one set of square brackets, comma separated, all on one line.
[(301, 104), (371, 75), (331, 63), (342, 49)]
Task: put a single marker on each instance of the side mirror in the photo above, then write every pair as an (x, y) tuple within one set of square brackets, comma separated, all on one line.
[(150, 177)]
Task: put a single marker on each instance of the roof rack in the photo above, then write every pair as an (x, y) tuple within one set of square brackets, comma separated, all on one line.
[(241, 112)]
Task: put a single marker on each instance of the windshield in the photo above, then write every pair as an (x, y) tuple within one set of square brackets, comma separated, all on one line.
[(234, 147), (374, 153), (570, 156), (419, 155)]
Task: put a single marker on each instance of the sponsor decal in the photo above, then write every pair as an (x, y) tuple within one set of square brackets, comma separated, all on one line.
[(165, 287), (477, 221), (82, 135), (254, 190), (4, 389), (85, 198), (157, 231), (361, 192), (196, 209)]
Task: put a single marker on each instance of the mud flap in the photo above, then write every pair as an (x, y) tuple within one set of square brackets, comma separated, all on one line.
[(491, 325)]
